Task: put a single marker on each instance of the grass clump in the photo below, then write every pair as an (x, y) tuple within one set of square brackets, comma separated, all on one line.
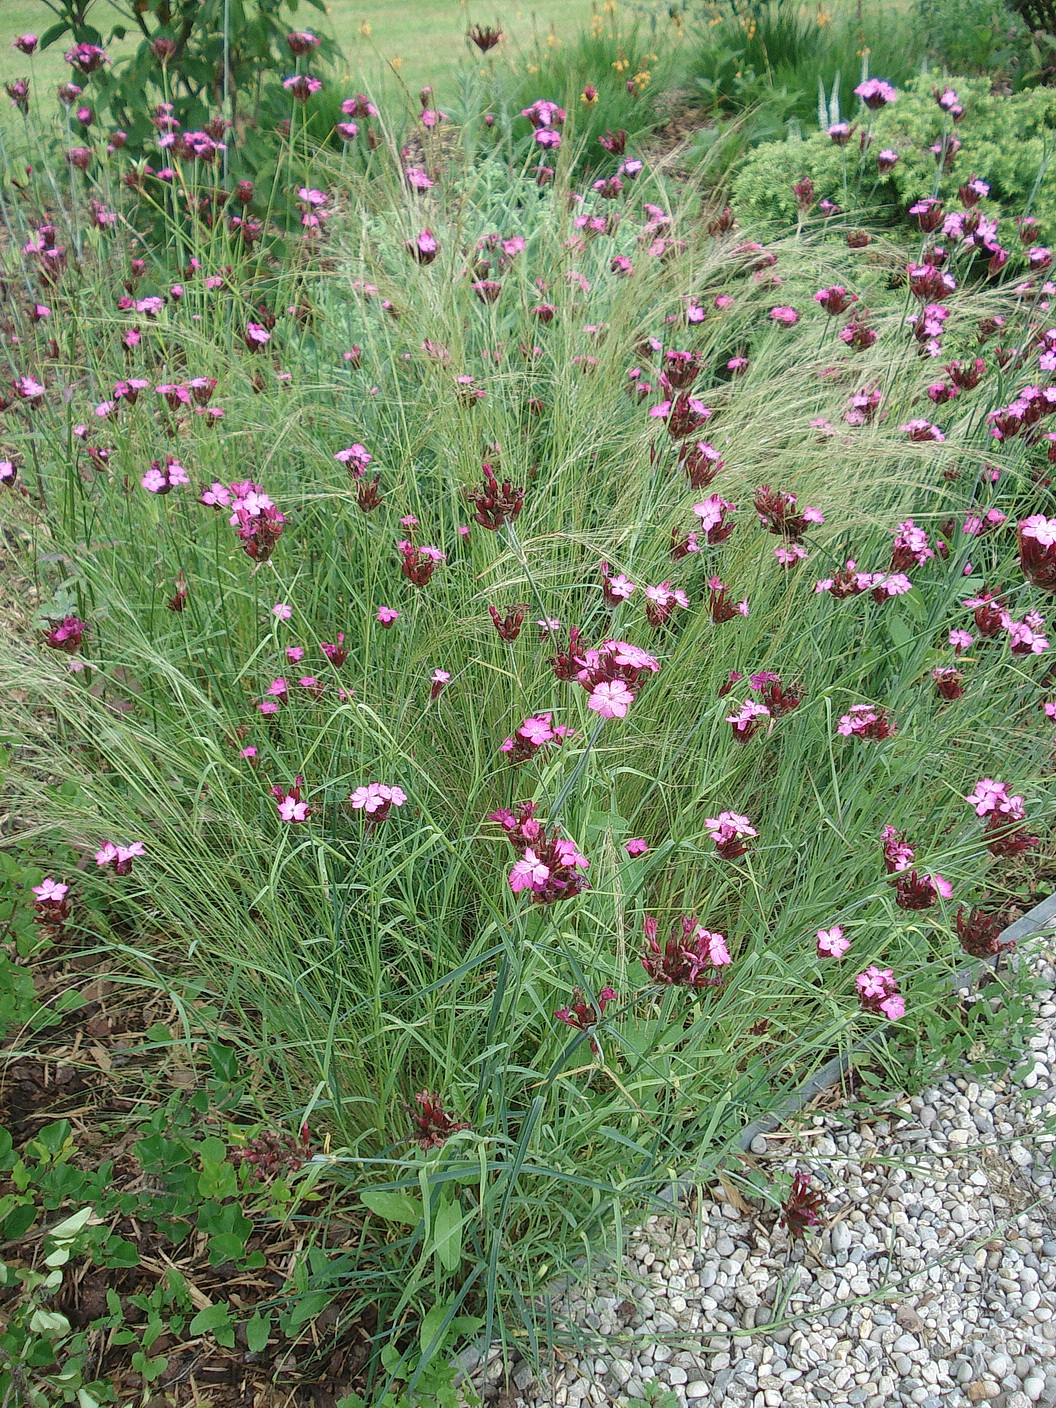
[(497, 632)]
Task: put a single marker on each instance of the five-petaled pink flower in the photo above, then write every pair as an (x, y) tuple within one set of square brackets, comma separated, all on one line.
[(878, 992), (898, 854), (747, 719), (355, 458), (292, 809), (715, 515), (529, 873), (50, 891), (376, 800), (610, 699), (616, 589), (867, 721), (119, 858), (992, 796), (731, 834), (921, 429), (832, 943), (1037, 551)]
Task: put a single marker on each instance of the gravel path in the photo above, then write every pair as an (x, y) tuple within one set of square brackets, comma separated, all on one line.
[(942, 1217)]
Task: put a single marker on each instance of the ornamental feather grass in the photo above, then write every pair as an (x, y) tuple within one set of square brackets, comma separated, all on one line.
[(251, 662)]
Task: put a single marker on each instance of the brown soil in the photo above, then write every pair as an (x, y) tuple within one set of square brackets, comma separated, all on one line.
[(91, 1069)]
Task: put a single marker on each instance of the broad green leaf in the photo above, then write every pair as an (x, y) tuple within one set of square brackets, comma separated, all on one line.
[(431, 1324), (447, 1235), (393, 1207), (53, 32), (17, 1221), (258, 1330), (306, 1308), (69, 1227), (212, 1318), (901, 635)]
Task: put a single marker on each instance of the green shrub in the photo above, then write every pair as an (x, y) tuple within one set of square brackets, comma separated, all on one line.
[(975, 36), (1004, 142), (181, 58)]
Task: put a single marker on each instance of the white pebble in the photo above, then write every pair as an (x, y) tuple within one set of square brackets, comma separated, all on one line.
[(971, 1249)]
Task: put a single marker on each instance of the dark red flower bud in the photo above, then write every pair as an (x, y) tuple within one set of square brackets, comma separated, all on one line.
[(979, 933), (484, 36), (508, 626), (495, 503), (801, 1210)]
